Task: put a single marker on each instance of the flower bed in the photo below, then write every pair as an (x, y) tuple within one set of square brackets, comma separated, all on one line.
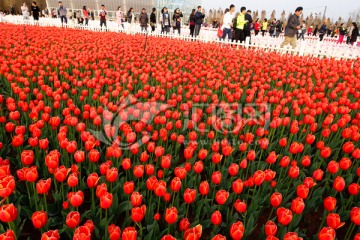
[(110, 136)]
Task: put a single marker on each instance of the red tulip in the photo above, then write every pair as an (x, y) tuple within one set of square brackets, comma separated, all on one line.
[(327, 233), (50, 235), (339, 184), (171, 215), (270, 228), (216, 177), (76, 198), (216, 218), (284, 216), (184, 224), (219, 237), (39, 219), (7, 186), (297, 205), (193, 233), (329, 203), (72, 219), (204, 188), (189, 195), (333, 221), (82, 232), (128, 187), (240, 206), (237, 230), (9, 235), (106, 200), (221, 197), (8, 213), (276, 199), (138, 213)]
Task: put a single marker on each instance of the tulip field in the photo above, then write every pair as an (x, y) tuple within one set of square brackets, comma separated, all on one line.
[(113, 136)]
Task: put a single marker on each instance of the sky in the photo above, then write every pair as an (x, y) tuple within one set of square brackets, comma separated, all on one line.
[(335, 8)]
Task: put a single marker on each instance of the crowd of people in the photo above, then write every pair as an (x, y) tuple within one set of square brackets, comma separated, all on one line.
[(233, 26)]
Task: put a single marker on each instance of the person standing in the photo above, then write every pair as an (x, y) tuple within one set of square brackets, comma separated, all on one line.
[(302, 31), (272, 28), (309, 31), (62, 12), (264, 26), (323, 30), (144, 20), (342, 33), (25, 11), (199, 19), (257, 27), (131, 19), (177, 19), (153, 20), (316, 30), (35, 11), (279, 28), (354, 33), (102, 15), (120, 17), (85, 14), (227, 23), (292, 26), (248, 24), (240, 24), (192, 22), (166, 21)]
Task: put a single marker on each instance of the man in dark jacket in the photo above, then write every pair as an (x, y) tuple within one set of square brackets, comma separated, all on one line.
[(199, 19), (248, 24), (144, 20), (293, 25)]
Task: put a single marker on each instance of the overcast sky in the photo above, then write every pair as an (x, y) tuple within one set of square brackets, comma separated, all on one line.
[(335, 8)]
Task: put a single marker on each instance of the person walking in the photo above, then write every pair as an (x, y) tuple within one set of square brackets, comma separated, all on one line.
[(192, 22), (292, 26), (153, 20), (227, 23), (131, 19), (257, 27), (86, 16), (240, 24), (177, 19), (62, 12), (35, 11), (342, 33), (264, 26), (25, 11), (166, 21), (199, 19), (323, 30), (144, 20), (247, 27), (354, 33), (120, 17)]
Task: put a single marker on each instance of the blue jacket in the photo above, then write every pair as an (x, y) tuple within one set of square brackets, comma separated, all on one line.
[(199, 18)]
